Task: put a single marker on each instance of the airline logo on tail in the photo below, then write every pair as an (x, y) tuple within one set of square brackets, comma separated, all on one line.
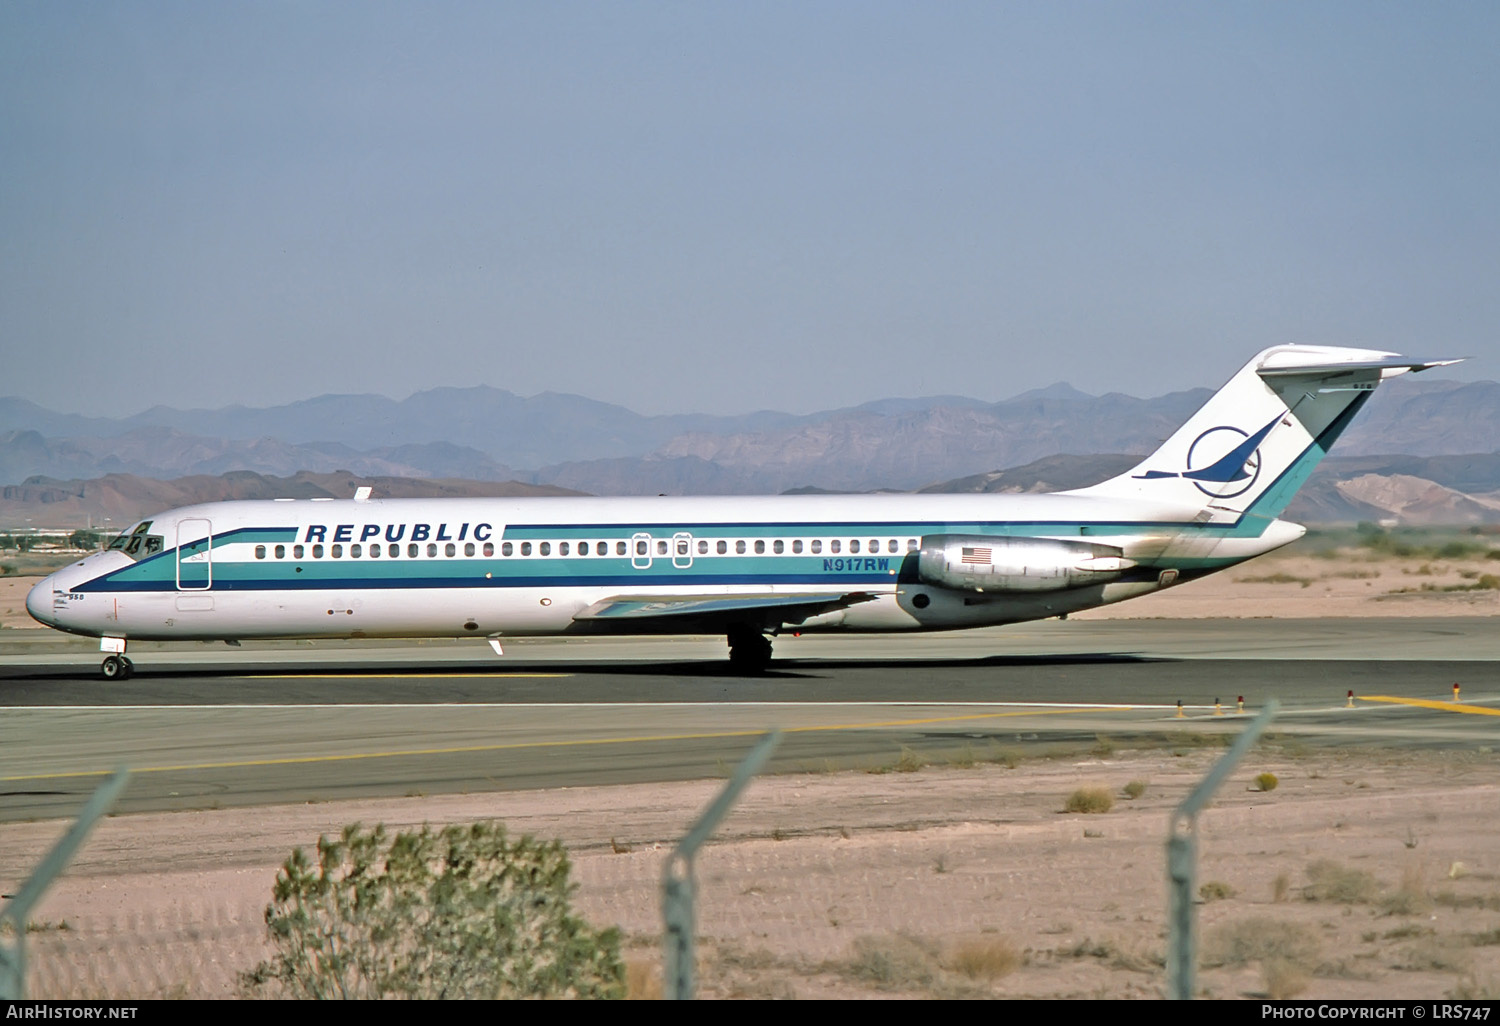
[(1207, 462)]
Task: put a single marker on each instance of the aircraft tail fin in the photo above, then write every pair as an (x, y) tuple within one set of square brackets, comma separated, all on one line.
[(1254, 443)]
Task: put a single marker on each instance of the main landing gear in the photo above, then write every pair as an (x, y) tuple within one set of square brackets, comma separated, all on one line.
[(116, 667), (749, 649)]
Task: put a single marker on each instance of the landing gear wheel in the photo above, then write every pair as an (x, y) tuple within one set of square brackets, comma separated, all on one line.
[(116, 668), (749, 651)]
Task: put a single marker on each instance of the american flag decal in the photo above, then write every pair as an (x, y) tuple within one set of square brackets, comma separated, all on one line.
[(980, 556)]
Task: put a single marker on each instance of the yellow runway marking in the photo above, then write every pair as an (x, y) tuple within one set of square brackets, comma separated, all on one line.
[(522, 745), (390, 676), (1430, 703)]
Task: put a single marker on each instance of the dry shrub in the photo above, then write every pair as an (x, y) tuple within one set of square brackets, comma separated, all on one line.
[(1410, 899), (1283, 979), (1435, 954), (1112, 954), (1216, 890), (1266, 782), (1280, 887), (1329, 881), (1261, 940), (909, 762), (1089, 800), (642, 981), (986, 959), (1135, 789), (902, 962)]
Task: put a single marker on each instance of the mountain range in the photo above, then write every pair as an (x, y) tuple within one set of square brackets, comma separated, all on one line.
[(1443, 433)]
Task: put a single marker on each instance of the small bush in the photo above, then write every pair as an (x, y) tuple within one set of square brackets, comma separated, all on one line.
[(901, 962), (987, 959), (1216, 890), (464, 912), (1135, 789), (1410, 898), (1283, 979), (1258, 940), (1089, 800), (1329, 881), (909, 762), (1266, 782)]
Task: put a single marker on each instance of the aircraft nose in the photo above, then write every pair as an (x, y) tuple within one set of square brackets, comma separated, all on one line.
[(39, 602)]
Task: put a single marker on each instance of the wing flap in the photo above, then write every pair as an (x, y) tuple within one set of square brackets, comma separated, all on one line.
[(770, 609)]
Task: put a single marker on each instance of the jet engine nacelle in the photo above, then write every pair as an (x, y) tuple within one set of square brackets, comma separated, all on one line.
[(980, 563)]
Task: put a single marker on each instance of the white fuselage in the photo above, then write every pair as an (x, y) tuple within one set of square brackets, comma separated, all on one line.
[(536, 566)]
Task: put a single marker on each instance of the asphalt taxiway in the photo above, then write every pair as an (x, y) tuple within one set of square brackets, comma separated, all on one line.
[(208, 725)]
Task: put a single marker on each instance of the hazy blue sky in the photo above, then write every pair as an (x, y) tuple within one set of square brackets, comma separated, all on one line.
[(731, 206)]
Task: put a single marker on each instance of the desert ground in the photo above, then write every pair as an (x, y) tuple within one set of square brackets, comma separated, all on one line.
[(1363, 873)]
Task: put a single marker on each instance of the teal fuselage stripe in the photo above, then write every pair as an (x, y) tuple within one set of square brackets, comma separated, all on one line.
[(161, 571)]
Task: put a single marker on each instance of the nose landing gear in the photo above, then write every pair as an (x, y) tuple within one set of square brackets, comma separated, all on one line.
[(116, 668)]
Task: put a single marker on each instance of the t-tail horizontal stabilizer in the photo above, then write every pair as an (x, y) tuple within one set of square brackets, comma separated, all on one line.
[(1255, 442)]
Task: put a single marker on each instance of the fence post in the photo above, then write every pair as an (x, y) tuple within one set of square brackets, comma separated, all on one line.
[(1182, 861), (16, 911), (678, 887)]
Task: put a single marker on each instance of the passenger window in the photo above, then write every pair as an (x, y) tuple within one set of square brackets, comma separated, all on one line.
[(260, 552), (412, 550), (874, 545), (506, 549), (356, 550), (723, 547), (489, 548), (640, 548), (526, 548), (393, 550), (911, 545), (833, 546), (281, 552), (431, 550), (583, 548), (317, 552), (739, 547), (296, 551), (817, 545), (760, 547), (661, 548), (338, 551), (890, 546), (468, 548), (375, 551), (854, 545), (778, 546), (562, 548), (702, 548), (682, 547), (450, 549), (796, 544), (545, 548)]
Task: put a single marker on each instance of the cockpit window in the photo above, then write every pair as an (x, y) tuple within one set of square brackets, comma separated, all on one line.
[(139, 542)]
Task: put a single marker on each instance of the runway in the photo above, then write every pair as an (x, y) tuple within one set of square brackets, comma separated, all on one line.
[(208, 726)]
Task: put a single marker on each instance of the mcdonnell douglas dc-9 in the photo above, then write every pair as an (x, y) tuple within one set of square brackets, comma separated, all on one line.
[(744, 568)]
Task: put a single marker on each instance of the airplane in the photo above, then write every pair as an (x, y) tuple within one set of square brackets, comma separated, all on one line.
[(747, 568)]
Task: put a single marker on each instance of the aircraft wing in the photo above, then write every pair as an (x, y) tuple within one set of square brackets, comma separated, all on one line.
[(710, 614)]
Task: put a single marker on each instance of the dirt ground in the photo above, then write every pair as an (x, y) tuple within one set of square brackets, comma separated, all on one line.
[(1361, 875)]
